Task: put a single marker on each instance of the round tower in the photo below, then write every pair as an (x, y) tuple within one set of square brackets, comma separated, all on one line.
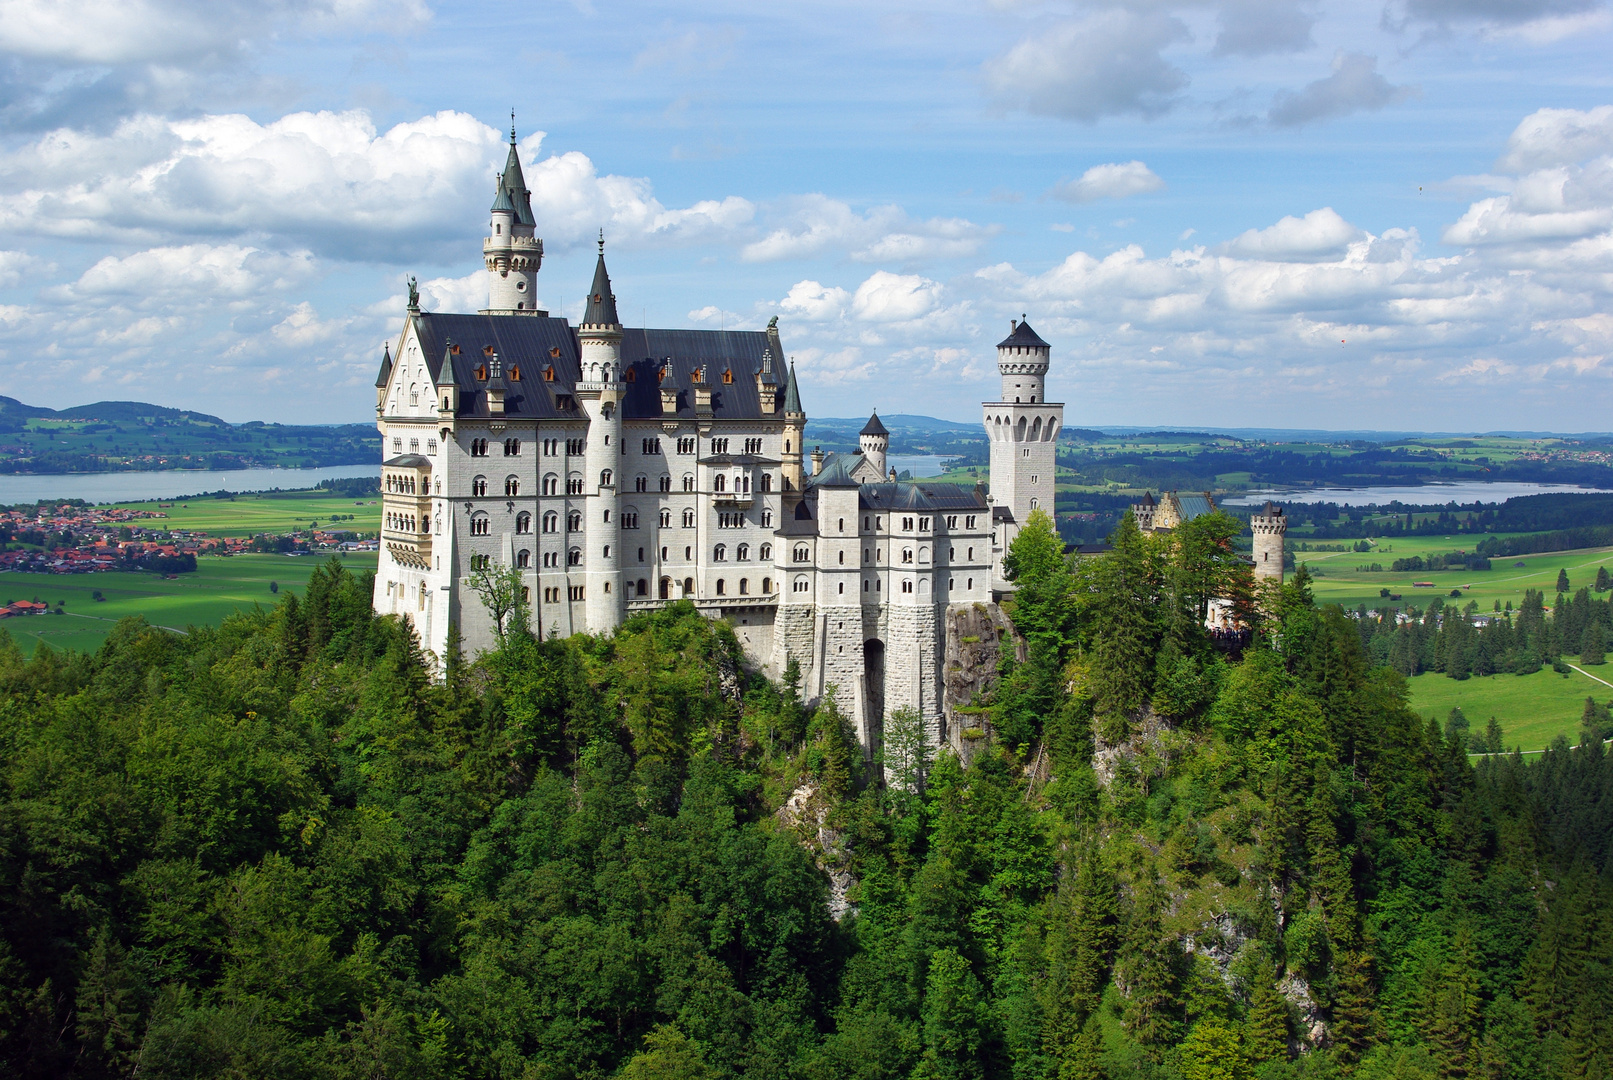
[(1022, 360), (874, 441), (794, 431), (511, 251), (1269, 527), (600, 393)]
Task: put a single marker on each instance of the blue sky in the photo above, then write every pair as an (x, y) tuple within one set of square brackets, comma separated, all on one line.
[(1229, 212)]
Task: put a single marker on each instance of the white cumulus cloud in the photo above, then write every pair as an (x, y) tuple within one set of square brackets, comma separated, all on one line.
[(888, 297), (1112, 181), (1320, 234), (1108, 63)]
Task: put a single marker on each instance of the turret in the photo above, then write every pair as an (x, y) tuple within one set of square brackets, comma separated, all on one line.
[(384, 379), (511, 251), (1269, 528), (794, 431), (1022, 360), (600, 394), (873, 440)]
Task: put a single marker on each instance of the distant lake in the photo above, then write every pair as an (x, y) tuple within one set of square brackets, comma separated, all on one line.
[(1458, 491), (172, 484), (920, 465)]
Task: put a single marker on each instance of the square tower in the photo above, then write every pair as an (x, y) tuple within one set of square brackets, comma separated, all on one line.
[(1023, 427)]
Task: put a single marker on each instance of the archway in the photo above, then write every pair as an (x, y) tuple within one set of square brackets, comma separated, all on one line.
[(873, 693)]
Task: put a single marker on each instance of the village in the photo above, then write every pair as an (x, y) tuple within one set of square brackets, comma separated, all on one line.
[(74, 538)]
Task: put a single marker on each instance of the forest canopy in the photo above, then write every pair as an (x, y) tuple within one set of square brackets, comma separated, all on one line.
[(279, 848)]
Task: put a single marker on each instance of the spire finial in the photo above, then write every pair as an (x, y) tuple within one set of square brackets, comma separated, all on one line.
[(602, 241), (512, 127)]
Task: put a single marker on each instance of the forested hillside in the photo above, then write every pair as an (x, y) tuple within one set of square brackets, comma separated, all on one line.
[(276, 849)]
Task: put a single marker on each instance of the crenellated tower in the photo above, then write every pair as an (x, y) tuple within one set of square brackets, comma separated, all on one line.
[(1270, 528), (874, 442), (512, 251)]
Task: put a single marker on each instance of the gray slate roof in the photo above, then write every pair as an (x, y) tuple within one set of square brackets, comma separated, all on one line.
[(386, 369), (873, 427), (1194, 506), (792, 394), (601, 302), (1023, 335), (532, 343)]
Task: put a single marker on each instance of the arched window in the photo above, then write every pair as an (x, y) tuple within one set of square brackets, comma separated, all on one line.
[(907, 586), (480, 525), (666, 483), (800, 585), (721, 587), (478, 486), (574, 484), (512, 447), (744, 586), (907, 555), (666, 588), (719, 553), (721, 483), (523, 559), (641, 483), (688, 482), (551, 522), (512, 486), (802, 554), (688, 586), (574, 557), (688, 519), (605, 478), (523, 522), (574, 521), (765, 553), (767, 586), (666, 519), (742, 553), (767, 482), (551, 484)]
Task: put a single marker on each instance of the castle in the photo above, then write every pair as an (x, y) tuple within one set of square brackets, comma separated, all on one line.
[(618, 469)]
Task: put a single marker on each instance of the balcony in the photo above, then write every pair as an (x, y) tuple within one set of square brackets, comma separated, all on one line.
[(733, 498)]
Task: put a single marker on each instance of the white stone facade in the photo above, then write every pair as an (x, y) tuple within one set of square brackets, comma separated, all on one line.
[(620, 469)]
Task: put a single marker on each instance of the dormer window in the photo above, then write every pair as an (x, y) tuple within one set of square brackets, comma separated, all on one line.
[(548, 374), (481, 372), (515, 374), (728, 376), (554, 351), (630, 376)]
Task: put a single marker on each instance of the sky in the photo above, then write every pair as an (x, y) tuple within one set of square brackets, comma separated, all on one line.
[(1235, 213)]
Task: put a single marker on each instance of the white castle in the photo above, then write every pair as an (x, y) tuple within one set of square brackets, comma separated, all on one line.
[(620, 469)]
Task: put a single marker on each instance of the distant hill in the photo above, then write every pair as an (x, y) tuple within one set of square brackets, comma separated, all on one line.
[(136, 436)]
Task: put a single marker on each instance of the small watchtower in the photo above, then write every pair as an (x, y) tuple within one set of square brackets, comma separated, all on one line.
[(1269, 528)]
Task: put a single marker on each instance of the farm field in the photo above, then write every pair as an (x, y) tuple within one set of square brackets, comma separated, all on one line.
[(1532, 709), (1339, 582), (268, 512), (218, 588)]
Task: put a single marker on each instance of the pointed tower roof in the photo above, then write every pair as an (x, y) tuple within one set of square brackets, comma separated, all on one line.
[(501, 199), (445, 374), (601, 302), (386, 368), (792, 395), (874, 427), (512, 185), (1023, 335)]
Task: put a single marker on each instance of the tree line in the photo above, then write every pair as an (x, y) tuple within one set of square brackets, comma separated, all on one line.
[(279, 847)]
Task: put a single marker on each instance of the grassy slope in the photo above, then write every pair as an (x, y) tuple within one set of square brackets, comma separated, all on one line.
[(246, 515), (1532, 709), (1341, 583), (217, 588)]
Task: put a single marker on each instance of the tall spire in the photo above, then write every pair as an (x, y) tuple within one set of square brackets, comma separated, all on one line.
[(512, 184), (601, 303), (792, 394)]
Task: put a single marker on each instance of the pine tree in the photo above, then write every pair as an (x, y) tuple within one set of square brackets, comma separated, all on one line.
[(1265, 1030), (1593, 645), (1603, 582), (1155, 965), (1562, 580)]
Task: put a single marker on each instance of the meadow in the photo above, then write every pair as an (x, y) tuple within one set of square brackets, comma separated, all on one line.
[(274, 512), (220, 586), (1532, 709), (1337, 581)]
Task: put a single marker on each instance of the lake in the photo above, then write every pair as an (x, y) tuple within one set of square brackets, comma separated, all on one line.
[(1458, 491), (173, 484), (920, 465)]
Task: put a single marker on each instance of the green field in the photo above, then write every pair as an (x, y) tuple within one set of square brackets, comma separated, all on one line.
[(270, 512), (219, 587), (1339, 582), (1532, 709)]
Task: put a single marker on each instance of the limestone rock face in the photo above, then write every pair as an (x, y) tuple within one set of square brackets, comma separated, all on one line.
[(975, 637), (807, 815)]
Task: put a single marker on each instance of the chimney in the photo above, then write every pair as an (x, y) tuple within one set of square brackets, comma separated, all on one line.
[(817, 460)]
